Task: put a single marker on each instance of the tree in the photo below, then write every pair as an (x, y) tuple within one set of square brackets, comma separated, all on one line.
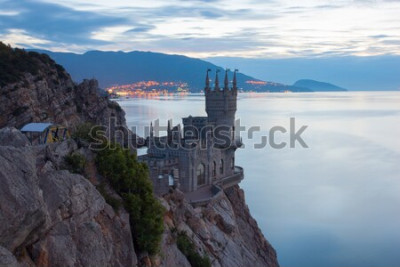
[(129, 178)]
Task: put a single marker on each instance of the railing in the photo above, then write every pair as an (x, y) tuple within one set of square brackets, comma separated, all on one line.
[(217, 189), (236, 178), (216, 193), (238, 169)]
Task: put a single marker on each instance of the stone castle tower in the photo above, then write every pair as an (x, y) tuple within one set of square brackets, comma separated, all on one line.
[(221, 106), (204, 157)]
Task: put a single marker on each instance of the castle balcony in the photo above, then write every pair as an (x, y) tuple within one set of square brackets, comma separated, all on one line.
[(205, 194), (233, 179)]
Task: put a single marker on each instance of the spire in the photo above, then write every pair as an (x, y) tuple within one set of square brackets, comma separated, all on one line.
[(234, 79), (169, 126), (226, 81), (207, 80), (216, 81), (179, 133), (169, 133), (151, 137)]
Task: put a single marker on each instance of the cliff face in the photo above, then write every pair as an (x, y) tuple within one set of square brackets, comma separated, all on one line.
[(223, 230), (49, 95), (51, 217)]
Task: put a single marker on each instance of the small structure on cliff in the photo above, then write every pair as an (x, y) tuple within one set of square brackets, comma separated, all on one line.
[(44, 133), (202, 161)]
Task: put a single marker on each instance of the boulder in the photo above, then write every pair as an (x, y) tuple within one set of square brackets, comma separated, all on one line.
[(7, 259), (9, 136)]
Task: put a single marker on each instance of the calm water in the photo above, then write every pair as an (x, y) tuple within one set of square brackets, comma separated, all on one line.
[(336, 203)]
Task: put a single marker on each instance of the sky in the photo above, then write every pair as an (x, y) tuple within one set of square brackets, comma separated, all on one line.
[(206, 28)]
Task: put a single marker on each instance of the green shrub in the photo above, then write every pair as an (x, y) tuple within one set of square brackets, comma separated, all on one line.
[(76, 162), (187, 247), (14, 62), (89, 132), (129, 178)]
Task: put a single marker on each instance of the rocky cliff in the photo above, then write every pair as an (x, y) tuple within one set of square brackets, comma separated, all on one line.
[(45, 92), (50, 216), (223, 230)]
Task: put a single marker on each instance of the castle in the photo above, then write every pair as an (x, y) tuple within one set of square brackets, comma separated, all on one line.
[(204, 157)]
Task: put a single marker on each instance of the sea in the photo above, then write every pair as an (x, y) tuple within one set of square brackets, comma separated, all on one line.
[(330, 199)]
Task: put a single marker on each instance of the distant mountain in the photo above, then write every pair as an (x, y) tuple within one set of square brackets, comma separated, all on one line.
[(317, 86), (364, 73), (118, 68)]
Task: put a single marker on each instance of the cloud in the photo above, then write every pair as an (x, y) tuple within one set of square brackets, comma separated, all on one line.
[(391, 42), (379, 36), (8, 13), (21, 37), (210, 14), (141, 28), (248, 28), (54, 22)]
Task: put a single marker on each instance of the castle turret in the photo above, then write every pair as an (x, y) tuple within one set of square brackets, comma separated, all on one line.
[(151, 137), (216, 81), (221, 108), (207, 88), (169, 133), (234, 83), (226, 81)]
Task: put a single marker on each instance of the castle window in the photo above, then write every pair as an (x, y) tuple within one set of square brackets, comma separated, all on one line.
[(221, 167), (214, 170), (170, 180), (233, 163), (201, 178)]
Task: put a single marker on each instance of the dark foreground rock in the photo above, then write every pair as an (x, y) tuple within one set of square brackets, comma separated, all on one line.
[(51, 217)]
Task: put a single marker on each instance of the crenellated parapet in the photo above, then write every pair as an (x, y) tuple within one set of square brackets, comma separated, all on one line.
[(217, 90), (221, 103)]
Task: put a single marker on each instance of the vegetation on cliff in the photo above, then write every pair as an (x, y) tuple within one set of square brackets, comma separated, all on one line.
[(75, 163), (15, 62), (129, 178), (188, 249)]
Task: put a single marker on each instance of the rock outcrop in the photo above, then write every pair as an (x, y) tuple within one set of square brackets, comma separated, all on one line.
[(49, 95), (12, 136), (223, 230), (51, 217)]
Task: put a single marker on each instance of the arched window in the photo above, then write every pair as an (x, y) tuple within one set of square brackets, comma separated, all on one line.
[(233, 163), (221, 167), (171, 179), (214, 170), (201, 178)]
